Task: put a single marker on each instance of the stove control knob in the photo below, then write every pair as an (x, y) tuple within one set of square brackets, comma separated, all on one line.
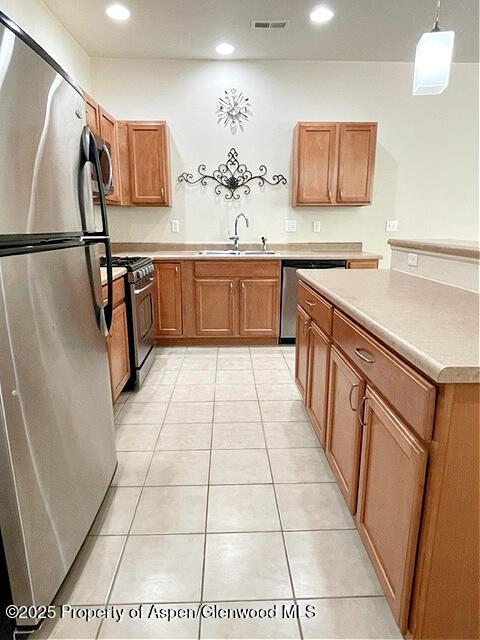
[(150, 268)]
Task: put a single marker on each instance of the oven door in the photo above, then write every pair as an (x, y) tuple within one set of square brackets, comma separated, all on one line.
[(144, 318)]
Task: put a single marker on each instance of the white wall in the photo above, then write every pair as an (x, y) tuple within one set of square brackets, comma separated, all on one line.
[(34, 17), (426, 174)]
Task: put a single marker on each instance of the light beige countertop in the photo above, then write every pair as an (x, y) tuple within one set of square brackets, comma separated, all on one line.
[(461, 248), (118, 272), (433, 326), (293, 251)]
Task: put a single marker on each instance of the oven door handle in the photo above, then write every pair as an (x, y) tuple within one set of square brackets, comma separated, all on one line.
[(151, 281)]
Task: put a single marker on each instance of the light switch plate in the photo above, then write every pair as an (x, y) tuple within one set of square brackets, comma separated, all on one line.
[(316, 226), (174, 226), (290, 226), (391, 225), (412, 259)]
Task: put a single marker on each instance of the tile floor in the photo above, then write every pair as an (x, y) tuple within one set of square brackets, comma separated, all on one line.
[(222, 496)]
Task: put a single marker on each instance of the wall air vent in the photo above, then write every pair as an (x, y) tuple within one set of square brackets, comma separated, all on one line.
[(269, 24)]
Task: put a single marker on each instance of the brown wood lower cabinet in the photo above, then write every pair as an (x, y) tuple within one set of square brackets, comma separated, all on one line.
[(344, 431), (317, 382), (259, 307), (392, 478), (301, 350), (169, 298), (117, 341), (214, 307)]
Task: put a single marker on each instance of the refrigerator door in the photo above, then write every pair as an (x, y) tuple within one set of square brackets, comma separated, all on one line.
[(57, 449), (41, 121)]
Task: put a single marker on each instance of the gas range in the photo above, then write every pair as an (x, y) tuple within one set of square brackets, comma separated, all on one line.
[(137, 266)]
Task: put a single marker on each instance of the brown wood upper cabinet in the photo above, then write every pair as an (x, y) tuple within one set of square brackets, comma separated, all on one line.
[(148, 162), (108, 131), (92, 112), (169, 298), (334, 163)]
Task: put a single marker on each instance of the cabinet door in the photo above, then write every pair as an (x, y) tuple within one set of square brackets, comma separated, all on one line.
[(169, 299), (356, 162), (315, 159), (108, 131), (317, 384), (392, 477), (215, 307), (148, 149), (344, 428), (118, 355), (259, 307), (301, 351), (92, 112)]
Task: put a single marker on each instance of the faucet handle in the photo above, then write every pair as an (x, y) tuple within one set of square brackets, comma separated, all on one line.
[(264, 242)]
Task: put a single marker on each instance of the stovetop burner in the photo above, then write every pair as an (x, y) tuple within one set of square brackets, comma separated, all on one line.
[(130, 263)]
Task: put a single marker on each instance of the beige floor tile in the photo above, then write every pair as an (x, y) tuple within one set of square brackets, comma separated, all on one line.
[(273, 377), (330, 564), (196, 377), (244, 411), (171, 510), (222, 351), (278, 392), (281, 435), (363, 618), (198, 349), (283, 411), (169, 351), (185, 436), (91, 575), (132, 468), (266, 350), (199, 364), (178, 467), (242, 508), (160, 569), (235, 466), (167, 364), (194, 393), (300, 465), (117, 510), (136, 437), (184, 412), (241, 566), (241, 376), (270, 364), (313, 506), (150, 627), (142, 413), (152, 393), (238, 435), (161, 377), (228, 392), (234, 362), (271, 625), (68, 626)]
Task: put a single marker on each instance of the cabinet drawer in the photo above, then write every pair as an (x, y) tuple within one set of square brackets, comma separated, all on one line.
[(319, 310), (410, 394), (237, 268), (118, 291)]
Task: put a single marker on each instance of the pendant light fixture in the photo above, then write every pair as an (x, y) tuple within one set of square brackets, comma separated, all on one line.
[(432, 60)]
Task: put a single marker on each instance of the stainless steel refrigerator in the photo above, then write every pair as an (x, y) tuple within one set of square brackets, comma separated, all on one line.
[(57, 452)]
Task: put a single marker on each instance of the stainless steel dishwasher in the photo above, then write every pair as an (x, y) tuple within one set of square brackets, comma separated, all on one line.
[(289, 292)]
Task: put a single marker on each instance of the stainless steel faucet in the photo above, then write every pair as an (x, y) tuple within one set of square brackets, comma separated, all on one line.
[(235, 236)]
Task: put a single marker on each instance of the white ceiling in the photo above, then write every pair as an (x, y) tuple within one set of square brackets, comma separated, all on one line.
[(386, 30)]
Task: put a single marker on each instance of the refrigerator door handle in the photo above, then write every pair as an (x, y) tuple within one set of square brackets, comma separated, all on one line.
[(110, 168)]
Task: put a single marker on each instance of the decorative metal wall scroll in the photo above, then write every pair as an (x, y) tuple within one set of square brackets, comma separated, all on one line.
[(233, 109), (231, 177)]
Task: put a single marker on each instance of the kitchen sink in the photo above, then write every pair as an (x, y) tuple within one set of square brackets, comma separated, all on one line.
[(231, 252)]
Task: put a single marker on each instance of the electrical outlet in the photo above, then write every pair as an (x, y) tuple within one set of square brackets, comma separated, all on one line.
[(316, 226), (174, 226), (391, 225), (412, 259), (290, 226)]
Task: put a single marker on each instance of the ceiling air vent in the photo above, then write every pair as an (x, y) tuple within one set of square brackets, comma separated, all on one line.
[(269, 24)]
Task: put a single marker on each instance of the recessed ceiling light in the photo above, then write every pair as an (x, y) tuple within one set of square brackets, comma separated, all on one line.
[(117, 12), (321, 14), (225, 49)]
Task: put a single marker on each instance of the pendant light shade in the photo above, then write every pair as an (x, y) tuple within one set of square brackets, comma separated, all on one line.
[(433, 59)]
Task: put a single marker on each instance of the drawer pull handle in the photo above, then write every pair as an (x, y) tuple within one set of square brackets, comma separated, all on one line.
[(306, 322), (310, 304), (362, 356), (352, 389)]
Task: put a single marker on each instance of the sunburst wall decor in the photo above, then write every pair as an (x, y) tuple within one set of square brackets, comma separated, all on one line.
[(233, 110)]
